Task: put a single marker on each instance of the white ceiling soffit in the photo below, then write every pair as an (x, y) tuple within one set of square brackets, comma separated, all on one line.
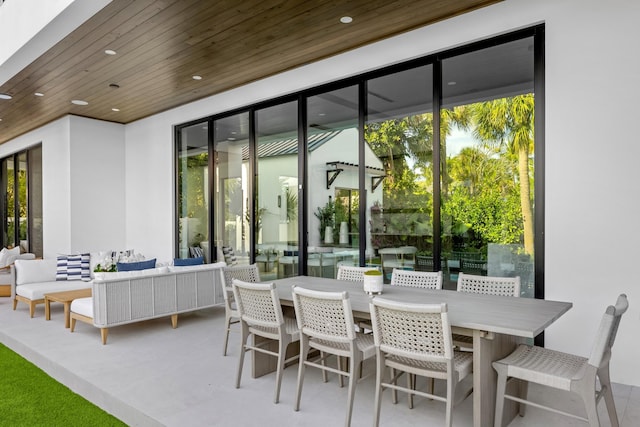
[(27, 35)]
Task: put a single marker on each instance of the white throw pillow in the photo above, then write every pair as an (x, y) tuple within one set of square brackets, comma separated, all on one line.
[(35, 270), (8, 255)]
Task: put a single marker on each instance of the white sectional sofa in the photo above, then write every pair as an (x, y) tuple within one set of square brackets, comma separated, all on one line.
[(31, 279), (127, 297)]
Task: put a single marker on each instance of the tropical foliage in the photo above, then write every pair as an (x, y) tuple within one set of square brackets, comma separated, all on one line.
[(485, 189)]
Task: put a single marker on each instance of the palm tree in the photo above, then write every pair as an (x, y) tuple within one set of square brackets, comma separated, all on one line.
[(459, 117), (508, 123)]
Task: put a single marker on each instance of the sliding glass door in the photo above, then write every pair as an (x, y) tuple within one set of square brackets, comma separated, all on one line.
[(488, 163), (399, 146), (333, 177), (276, 178), (427, 166)]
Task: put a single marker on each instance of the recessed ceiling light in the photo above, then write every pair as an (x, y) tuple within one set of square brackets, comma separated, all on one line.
[(115, 109), (452, 83), (196, 77), (346, 20), (110, 52), (79, 102), (322, 114), (39, 94), (5, 96)]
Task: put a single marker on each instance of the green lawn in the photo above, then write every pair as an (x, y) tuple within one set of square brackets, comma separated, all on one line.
[(30, 397)]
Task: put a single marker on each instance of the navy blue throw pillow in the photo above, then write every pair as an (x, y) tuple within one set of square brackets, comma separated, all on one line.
[(182, 262), (134, 266)]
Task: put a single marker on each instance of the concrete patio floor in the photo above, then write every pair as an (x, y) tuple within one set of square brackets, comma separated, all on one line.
[(149, 374)]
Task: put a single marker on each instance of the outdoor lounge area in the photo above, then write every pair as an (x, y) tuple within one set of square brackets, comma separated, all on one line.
[(152, 375), (457, 138)]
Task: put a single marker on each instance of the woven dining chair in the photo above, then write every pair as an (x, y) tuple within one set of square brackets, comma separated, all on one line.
[(352, 273), (486, 285), (261, 316), (416, 279), (246, 273), (565, 371), (429, 352), (325, 320)]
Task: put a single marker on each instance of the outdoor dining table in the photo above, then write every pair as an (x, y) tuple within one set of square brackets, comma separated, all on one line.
[(496, 323)]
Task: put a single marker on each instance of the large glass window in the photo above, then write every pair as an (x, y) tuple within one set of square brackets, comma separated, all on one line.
[(193, 191), (34, 180), (424, 166), (487, 168), (276, 209), (333, 184), (399, 149), (231, 211), (22, 201), (9, 203)]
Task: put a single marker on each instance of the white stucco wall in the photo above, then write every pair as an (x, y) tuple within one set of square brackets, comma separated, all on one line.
[(83, 180), (28, 28), (97, 185)]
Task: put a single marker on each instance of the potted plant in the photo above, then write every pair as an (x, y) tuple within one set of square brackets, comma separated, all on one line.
[(373, 281), (326, 216)]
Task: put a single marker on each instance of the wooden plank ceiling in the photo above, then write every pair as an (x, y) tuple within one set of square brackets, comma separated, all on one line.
[(161, 45)]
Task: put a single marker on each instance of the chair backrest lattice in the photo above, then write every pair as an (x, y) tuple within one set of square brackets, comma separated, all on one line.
[(416, 279), (416, 331), (324, 315), (489, 285), (601, 352), (246, 273), (258, 304), (351, 273)]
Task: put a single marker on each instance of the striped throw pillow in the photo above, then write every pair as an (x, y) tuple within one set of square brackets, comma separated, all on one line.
[(74, 267)]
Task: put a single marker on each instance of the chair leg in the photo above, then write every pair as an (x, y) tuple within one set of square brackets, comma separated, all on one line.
[(323, 362), (227, 324), (501, 387), (451, 391), (304, 352), (586, 390), (354, 374), (341, 369), (243, 342), (592, 410), (524, 391), (411, 385), (15, 304), (378, 398), (282, 350), (394, 392), (605, 384)]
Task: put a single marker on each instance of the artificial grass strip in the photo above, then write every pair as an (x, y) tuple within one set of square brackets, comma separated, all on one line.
[(30, 397)]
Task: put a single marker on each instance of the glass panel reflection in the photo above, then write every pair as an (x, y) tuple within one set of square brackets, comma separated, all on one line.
[(399, 137)]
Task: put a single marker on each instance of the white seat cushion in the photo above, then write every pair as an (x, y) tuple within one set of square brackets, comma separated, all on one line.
[(83, 306), (36, 291)]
